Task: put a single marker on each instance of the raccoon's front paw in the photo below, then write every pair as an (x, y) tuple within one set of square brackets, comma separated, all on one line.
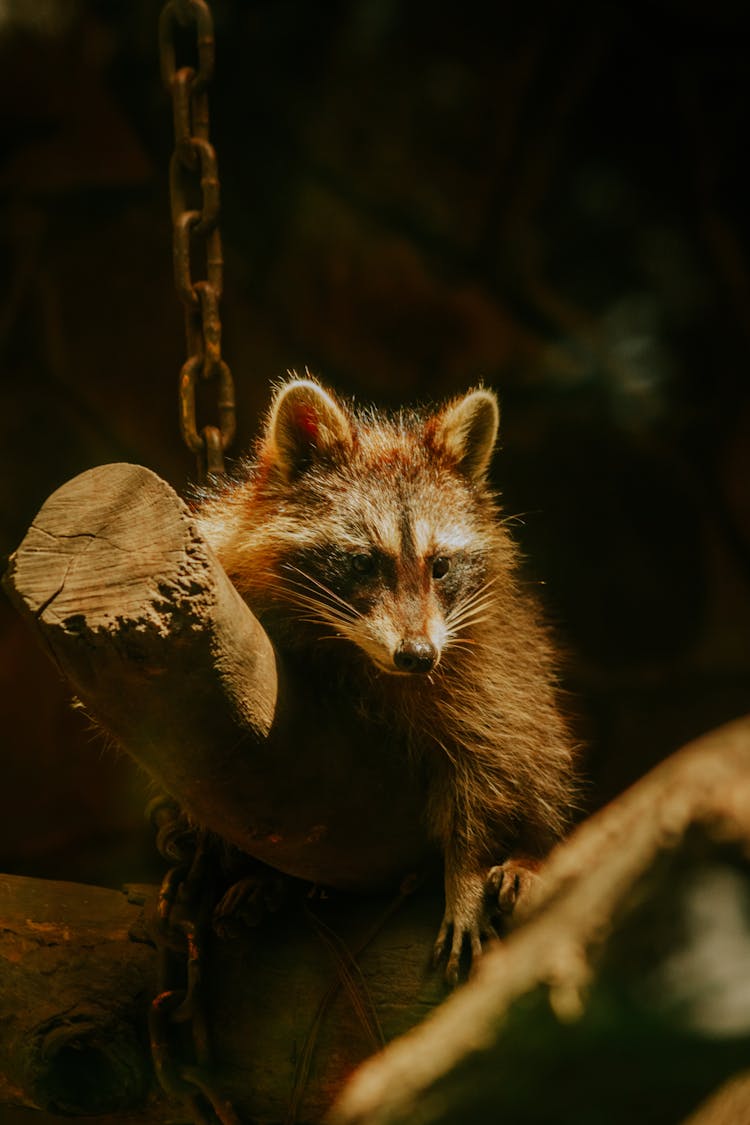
[(466, 925), (508, 882), (248, 901), (477, 905)]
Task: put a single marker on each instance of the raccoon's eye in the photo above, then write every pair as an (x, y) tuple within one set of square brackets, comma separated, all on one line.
[(363, 563), (440, 566)]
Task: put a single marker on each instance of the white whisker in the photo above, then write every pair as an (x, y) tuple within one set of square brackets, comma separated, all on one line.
[(459, 618), (475, 618), (455, 642), (311, 581), (517, 518), (481, 594), (322, 612), (323, 606), (470, 611)]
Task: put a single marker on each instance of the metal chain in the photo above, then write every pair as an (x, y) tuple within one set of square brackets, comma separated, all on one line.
[(194, 195), (178, 1028), (177, 1021)]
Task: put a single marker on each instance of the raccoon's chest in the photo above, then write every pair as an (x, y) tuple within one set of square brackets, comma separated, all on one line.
[(345, 790)]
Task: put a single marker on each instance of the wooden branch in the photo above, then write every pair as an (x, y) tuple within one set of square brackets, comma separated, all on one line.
[(730, 1105), (140, 617), (615, 999)]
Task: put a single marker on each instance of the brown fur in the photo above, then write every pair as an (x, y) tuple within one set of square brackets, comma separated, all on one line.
[(330, 487)]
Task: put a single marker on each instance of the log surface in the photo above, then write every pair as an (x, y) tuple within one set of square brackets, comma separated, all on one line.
[(139, 616), (78, 972), (73, 986)]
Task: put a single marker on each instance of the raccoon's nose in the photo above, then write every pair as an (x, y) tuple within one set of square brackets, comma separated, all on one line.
[(415, 655)]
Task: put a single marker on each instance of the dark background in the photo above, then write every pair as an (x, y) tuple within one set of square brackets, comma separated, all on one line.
[(549, 197)]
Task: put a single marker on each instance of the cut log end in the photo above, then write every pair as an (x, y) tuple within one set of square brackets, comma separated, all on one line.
[(98, 549)]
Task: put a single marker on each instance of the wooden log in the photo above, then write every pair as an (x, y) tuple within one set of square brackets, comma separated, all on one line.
[(73, 989), (139, 616), (77, 974), (619, 997), (623, 996)]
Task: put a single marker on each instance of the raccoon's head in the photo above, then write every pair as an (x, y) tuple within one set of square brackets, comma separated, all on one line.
[(378, 530)]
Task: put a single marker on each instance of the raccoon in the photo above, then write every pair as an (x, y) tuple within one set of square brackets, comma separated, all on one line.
[(373, 547)]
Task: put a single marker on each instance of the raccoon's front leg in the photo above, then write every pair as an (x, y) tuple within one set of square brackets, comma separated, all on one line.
[(476, 900), (469, 913)]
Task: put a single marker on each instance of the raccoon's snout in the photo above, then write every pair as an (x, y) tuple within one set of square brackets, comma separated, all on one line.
[(415, 655)]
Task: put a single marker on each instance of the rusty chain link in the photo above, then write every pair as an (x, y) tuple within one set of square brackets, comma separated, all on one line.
[(194, 195), (178, 1029)]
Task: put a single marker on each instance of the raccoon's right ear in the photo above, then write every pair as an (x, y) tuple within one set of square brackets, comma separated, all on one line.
[(467, 430), (306, 424)]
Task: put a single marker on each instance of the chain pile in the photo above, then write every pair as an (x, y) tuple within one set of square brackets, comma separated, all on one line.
[(194, 195), (178, 1027)]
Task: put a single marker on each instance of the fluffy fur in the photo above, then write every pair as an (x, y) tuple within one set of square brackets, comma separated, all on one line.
[(374, 546)]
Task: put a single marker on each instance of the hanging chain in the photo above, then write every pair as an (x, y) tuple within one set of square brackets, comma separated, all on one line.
[(178, 1025), (178, 1028), (194, 195)]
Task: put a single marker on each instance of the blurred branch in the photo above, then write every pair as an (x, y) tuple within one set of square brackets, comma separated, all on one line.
[(608, 993)]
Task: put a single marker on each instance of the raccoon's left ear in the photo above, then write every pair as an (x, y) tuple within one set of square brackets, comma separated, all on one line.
[(467, 430), (306, 425)]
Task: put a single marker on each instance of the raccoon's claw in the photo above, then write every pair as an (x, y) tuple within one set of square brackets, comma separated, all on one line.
[(247, 902), (452, 940), (465, 929), (476, 911)]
